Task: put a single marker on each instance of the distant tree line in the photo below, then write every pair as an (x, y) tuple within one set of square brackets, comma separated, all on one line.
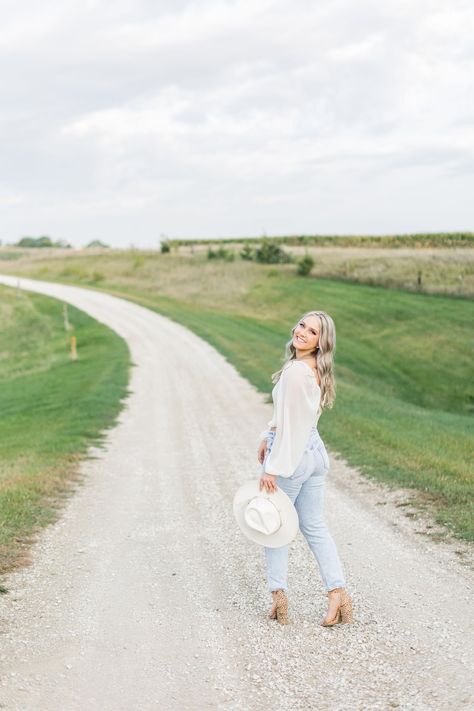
[(98, 243), (43, 241)]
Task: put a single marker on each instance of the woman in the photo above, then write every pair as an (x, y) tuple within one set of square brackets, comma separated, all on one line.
[(294, 458)]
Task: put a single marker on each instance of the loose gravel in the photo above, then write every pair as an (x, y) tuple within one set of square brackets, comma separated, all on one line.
[(145, 595)]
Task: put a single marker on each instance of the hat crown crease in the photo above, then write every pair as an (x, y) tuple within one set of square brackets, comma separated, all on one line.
[(262, 515)]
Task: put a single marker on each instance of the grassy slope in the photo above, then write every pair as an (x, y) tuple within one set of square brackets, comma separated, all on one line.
[(405, 399), (396, 416), (51, 408)]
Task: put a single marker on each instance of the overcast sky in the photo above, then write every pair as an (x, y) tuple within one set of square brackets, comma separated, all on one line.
[(127, 119)]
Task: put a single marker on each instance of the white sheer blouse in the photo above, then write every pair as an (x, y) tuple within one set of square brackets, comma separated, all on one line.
[(296, 410)]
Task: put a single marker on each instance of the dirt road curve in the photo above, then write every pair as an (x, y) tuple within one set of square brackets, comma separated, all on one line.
[(144, 595)]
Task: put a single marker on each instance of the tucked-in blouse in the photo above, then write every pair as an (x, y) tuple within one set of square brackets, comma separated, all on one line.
[(296, 410)]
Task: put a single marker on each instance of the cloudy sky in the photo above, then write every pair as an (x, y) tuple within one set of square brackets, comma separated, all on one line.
[(129, 119)]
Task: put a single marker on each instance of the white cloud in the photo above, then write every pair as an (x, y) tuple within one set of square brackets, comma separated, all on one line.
[(196, 118), (196, 23), (358, 50)]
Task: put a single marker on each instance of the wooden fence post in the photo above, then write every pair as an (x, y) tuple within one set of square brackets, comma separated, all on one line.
[(73, 348), (67, 326)]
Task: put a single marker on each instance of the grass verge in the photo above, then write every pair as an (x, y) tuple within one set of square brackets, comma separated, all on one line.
[(52, 409)]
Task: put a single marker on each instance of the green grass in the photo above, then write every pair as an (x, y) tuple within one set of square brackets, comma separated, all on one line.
[(404, 406), (405, 398), (51, 408), (8, 255)]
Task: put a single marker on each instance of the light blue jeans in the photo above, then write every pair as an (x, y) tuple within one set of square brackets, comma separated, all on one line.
[(306, 490)]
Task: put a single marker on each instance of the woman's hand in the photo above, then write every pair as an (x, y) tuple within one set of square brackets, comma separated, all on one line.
[(267, 482), (262, 450)]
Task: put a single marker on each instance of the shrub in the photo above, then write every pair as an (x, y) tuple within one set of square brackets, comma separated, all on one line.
[(270, 253), (165, 247), (305, 264), (221, 253), (247, 253)]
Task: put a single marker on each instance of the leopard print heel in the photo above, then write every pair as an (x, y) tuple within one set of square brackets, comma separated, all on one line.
[(280, 612), (343, 613)]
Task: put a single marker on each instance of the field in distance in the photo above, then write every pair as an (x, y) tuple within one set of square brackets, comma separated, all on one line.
[(439, 264)]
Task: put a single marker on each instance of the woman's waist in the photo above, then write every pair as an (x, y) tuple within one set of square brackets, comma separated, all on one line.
[(314, 435)]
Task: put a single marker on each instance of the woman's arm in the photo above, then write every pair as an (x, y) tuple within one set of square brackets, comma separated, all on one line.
[(264, 433), (295, 416)]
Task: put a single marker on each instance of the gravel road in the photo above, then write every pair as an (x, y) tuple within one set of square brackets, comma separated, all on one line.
[(145, 595)]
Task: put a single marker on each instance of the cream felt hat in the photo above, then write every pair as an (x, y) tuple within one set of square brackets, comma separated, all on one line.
[(268, 519)]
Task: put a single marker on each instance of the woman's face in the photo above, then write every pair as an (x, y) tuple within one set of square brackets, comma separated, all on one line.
[(306, 334)]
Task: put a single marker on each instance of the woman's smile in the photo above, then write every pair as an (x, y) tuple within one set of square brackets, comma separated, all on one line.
[(306, 334)]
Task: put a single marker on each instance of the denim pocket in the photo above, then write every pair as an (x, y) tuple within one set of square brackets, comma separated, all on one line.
[(322, 455), (303, 470), (319, 459)]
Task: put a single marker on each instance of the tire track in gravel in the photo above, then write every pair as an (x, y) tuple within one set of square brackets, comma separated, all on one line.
[(144, 595)]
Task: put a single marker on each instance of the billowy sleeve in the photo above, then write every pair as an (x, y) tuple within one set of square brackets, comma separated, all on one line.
[(264, 433), (272, 423), (297, 405)]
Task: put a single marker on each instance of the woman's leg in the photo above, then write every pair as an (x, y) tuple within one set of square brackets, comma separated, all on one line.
[(310, 505), (277, 558), (277, 568)]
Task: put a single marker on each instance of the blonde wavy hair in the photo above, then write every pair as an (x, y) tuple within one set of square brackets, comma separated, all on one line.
[(324, 355)]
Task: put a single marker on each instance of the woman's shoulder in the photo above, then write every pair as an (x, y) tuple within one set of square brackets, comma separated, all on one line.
[(298, 369)]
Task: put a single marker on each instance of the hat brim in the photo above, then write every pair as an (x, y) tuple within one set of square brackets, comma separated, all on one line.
[(289, 516)]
